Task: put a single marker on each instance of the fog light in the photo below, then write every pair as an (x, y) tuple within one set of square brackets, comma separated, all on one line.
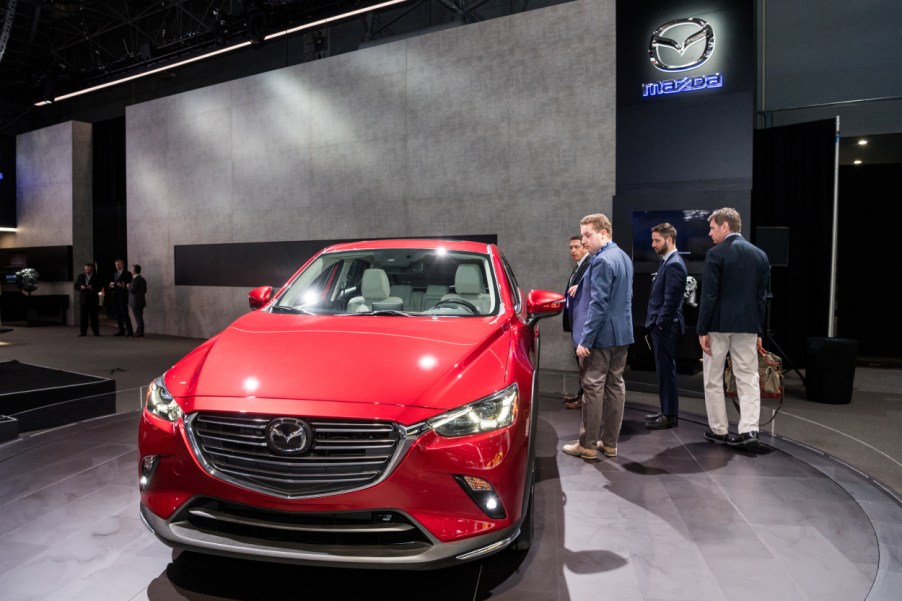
[(483, 494), (148, 466)]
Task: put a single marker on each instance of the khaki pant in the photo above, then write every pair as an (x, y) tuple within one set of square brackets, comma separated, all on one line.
[(604, 395), (744, 356)]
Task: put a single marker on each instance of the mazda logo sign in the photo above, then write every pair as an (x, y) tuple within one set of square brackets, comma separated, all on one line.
[(288, 436), (681, 45)]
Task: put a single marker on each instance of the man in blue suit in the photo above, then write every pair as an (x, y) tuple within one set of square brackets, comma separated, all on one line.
[(602, 332), (731, 320), (664, 319)]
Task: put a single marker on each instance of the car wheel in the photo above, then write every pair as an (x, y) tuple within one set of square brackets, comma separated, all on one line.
[(524, 541)]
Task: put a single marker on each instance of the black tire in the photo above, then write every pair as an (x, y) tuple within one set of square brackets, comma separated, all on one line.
[(524, 541)]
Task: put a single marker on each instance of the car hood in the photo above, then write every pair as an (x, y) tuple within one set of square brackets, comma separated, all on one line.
[(435, 363)]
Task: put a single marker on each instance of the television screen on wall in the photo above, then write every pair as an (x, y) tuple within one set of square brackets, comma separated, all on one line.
[(692, 233), (53, 263)]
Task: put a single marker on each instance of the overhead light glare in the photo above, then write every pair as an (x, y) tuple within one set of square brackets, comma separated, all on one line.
[(220, 51), (862, 142), (857, 161)]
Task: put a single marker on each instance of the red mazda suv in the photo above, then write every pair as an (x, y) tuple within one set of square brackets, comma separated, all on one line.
[(377, 411)]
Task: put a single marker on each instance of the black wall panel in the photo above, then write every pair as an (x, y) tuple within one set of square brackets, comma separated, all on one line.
[(253, 264)]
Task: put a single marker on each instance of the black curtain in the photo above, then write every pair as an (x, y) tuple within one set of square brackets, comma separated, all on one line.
[(792, 187), (110, 233), (868, 251), (7, 181)]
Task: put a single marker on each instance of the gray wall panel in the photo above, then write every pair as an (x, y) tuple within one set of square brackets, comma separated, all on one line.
[(503, 127), (53, 196)]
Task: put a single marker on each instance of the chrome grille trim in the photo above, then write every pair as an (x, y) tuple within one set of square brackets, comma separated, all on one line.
[(342, 458)]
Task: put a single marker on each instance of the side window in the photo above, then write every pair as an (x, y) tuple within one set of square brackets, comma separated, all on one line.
[(512, 282)]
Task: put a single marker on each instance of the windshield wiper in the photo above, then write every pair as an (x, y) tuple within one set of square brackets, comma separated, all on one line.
[(286, 309), (389, 312)]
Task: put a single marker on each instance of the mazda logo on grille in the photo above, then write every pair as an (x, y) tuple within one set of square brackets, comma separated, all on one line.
[(681, 45), (288, 436)]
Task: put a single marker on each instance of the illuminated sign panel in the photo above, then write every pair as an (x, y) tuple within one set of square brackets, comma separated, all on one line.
[(677, 46), (683, 84), (688, 44)]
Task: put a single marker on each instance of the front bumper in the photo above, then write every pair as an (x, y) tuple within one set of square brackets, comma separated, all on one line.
[(417, 517), (249, 540)]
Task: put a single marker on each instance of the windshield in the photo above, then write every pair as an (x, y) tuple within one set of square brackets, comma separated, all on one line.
[(398, 281)]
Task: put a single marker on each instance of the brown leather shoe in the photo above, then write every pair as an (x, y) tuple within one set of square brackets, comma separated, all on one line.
[(576, 404)]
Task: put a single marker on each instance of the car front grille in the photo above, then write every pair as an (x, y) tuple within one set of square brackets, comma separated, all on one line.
[(344, 454)]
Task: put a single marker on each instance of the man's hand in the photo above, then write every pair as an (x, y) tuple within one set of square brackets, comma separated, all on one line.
[(572, 289), (705, 342), (582, 351)]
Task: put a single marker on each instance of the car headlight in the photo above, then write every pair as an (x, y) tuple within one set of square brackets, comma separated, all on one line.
[(160, 403), (491, 413)]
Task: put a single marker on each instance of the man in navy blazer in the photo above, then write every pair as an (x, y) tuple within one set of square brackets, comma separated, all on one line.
[(602, 333), (581, 256), (731, 320), (664, 320)]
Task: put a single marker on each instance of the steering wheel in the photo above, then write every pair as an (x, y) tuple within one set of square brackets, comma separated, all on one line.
[(460, 302)]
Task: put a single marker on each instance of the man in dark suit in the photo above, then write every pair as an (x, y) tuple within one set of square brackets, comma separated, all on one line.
[(137, 292), (731, 320), (602, 333), (119, 291), (581, 256), (87, 285), (664, 319)]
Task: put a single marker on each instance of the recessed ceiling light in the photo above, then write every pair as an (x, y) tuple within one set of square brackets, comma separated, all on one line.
[(857, 161), (862, 142)]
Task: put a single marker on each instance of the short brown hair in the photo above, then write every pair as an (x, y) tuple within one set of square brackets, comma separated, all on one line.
[(598, 221), (729, 216), (666, 230)]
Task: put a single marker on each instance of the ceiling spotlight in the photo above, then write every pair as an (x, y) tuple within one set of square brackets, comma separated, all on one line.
[(862, 142), (857, 162)]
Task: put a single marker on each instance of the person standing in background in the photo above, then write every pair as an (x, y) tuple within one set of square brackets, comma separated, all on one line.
[(119, 290), (88, 286), (664, 320), (137, 291), (581, 256)]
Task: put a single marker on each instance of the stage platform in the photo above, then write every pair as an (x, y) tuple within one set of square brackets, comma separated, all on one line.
[(34, 398), (673, 518)]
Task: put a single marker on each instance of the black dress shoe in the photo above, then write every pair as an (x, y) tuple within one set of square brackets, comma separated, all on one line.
[(716, 438), (746, 440), (653, 417), (662, 422)]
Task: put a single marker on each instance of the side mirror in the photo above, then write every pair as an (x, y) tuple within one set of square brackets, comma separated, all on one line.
[(543, 303), (258, 297)]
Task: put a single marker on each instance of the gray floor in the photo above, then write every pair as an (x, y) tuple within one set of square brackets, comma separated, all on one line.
[(672, 518)]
